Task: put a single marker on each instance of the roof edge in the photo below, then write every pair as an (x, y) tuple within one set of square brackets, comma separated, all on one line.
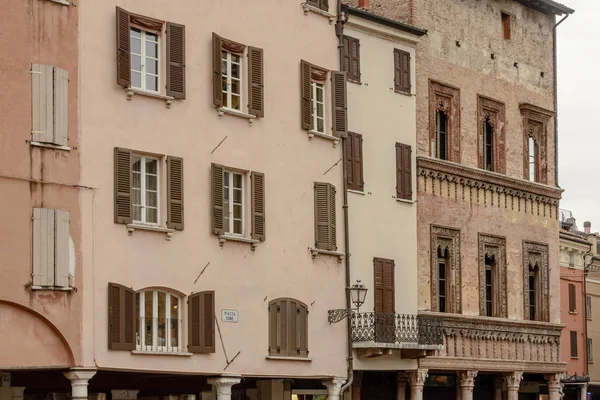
[(384, 21), (547, 6)]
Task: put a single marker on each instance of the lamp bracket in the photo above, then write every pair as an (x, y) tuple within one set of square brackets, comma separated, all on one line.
[(335, 316)]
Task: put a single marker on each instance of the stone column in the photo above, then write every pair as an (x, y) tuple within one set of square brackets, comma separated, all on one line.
[(334, 388), (554, 386), (498, 386), (356, 384), (223, 386), (79, 382), (466, 384), (401, 381), (416, 380), (582, 392), (513, 383), (17, 392)]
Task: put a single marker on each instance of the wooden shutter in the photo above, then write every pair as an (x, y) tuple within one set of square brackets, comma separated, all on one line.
[(121, 316), (217, 43), (194, 316), (176, 60), (588, 307), (302, 330), (42, 103), (355, 162), (403, 171), (384, 285), (123, 180), (258, 206), (61, 107), (352, 58), (61, 245), (284, 327), (217, 199), (404, 71), (123, 50), (306, 94), (340, 107), (325, 216), (572, 298), (274, 310), (175, 193), (256, 103), (573, 337), (201, 322), (293, 339), (43, 246)]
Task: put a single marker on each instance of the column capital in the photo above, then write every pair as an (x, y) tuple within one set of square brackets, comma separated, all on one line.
[(553, 381), (417, 378), (402, 379), (334, 385), (80, 374), (223, 384), (467, 378), (513, 380)]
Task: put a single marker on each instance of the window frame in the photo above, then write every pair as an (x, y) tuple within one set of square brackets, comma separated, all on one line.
[(141, 337), (446, 238), (438, 135), (226, 92), (143, 158), (506, 21), (590, 350), (532, 159), (488, 145), (229, 229), (533, 289), (314, 87), (573, 344), (442, 264), (588, 307), (572, 298), (143, 71)]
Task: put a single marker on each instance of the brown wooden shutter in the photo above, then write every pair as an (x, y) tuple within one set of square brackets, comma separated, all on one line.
[(292, 328), (306, 95), (194, 316), (325, 235), (217, 199), (355, 162), (340, 106), (332, 220), (175, 193), (573, 337), (201, 322), (302, 329), (405, 71), (352, 58), (123, 181), (384, 285), (217, 43), (572, 299), (176, 60), (123, 52), (259, 231), (274, 310), (256, 103), (284, 315), (121, 316), (403, 171)]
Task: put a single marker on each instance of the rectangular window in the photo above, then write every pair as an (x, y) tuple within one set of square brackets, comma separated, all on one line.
[(50, 247), (489, 287), (145, 190), (573, 339), (403, 171), (288, 328), (352, 58), (231, 71), (590, 350), (49, 104), (159, 327), (571, 260), (441, 131), (572, 298), (588, 307), (144, 60), (488, 144), (325, 210), (531, 152), (318, 107), (354, 154), (402, 71), (442, 285), (506, 25), (532, 286), (233, 202)]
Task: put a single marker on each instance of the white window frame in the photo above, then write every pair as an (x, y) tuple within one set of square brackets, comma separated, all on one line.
[(141, 343), (531, 158), (229, 229), (227, 74), (143, 57), (314, 87), (143, 159)]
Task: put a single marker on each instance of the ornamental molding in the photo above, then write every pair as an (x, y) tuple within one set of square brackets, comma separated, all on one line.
[(447, 239), (418, 377), (535, 258), (514, 380), (467, 378), (446, 98), (495, 247), (494, 112), (535, 125)]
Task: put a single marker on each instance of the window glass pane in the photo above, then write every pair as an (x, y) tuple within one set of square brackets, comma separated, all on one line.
[(320, 125), (235, 86), (319, 93), (237, 181), (152, 66), (136, 46), (237, 211), (151, 215), (136, 79), (148, 300), (235, 71), (174, 321), (162, 328), (235, 58), (151, 166), (224, 67), (235, 102), (151, 199), (319, 109), (137, 213), (135, 32), (151, 37), (151, 182), (136, 62), (237, 227), (152, 83), (151, 49), (237, 196)]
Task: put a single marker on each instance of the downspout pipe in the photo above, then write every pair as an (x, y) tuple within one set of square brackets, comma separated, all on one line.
[(586, 268), (339, 31), (554, 53)]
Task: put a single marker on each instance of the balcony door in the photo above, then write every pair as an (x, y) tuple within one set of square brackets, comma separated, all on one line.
[(385, 311)]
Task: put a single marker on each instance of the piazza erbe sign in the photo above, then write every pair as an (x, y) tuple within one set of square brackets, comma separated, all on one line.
[(229, 316)]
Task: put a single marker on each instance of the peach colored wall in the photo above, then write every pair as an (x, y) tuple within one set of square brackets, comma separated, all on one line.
[(44, 32), (573, 321), (244, 280)]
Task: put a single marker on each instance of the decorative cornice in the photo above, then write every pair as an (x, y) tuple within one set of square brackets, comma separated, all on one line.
[(533, 109), (453, 364)]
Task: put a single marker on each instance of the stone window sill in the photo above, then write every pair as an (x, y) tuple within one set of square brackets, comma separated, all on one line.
[(162, 353), (334, 140), (356, 191), (285, 358), (314, 252), (223, 110), (168, 232), (63, 2), (131, 91), (573, 312), (575, 358), (52, 288), (307, 7), (405, 201), (252, 242), (50, 146), (409, 94)]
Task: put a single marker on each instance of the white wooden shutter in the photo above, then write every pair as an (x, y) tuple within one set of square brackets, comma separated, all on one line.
[(61, 105), (42, 107), (43, 246), (61, 246)]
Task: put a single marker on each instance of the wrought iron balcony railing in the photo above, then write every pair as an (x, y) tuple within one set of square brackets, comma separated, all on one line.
[(399, 329)]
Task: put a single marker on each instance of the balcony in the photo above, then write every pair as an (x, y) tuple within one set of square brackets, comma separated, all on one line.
[(413, 335)]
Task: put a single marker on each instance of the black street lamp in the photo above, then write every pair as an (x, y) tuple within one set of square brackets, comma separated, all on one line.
[(358, 294)]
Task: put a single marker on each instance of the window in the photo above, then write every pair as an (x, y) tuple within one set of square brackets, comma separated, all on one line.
[(441, 132), (50, 247), (572, 298), (445, 270), (403, 171), (442, 265), (49, 104), (532, 163), (535, 143), (492, 276), (571, 259), (532, 291), (489, 286), (201, 322), (488, 134), (590, 350), (325, 210), (384, 300), (309, 395), (322, 4), (535, 281), (229, 202), (491, 139), (138, 197), (231, 71), (288, 328), (314, 91), (402, 71), (506, 25), (355, 162), (159, 321), (144, 60), (573, 339), (352, 58), (588, 307)]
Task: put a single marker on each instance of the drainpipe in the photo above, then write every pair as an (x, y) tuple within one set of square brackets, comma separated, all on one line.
[(556, 99), (339, 31), (585, 274)]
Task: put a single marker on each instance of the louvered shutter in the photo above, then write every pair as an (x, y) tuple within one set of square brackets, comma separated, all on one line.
[(175, 193), (573, 337), (273, 327), (378, 286), (405, 71), (332, 220), (61, 245), (340, 107), (352, 58), (323, 217), (403, 171), (217, 43), (588, 307), (61, 107), (355, 163), (42, 103), (572, 300), (306, 94), (123, 182), (397, 71), (350, 179), (176, 60), (43, 246), (123, 48), (283, 327), (388, 287), (217, 199), (347, 63), (302, 330), (121, 311), (292, 328), (256, 103), (258, 206), (207, 321), (194, 316)]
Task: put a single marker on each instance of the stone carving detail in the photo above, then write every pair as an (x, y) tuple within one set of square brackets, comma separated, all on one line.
[(334, 386), (494, 112), (467, 378), (402, 379), (535, 125), (513, 380), (417, 378), (495, 247), (447, 99), (535, 257), (446, 239)]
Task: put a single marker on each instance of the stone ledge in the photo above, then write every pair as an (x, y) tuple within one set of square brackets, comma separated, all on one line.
[(490, 365)]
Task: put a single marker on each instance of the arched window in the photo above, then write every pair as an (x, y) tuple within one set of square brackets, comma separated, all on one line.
[(288, 328), (443, 279), (159, 321), (441, 134), (488, 145)]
